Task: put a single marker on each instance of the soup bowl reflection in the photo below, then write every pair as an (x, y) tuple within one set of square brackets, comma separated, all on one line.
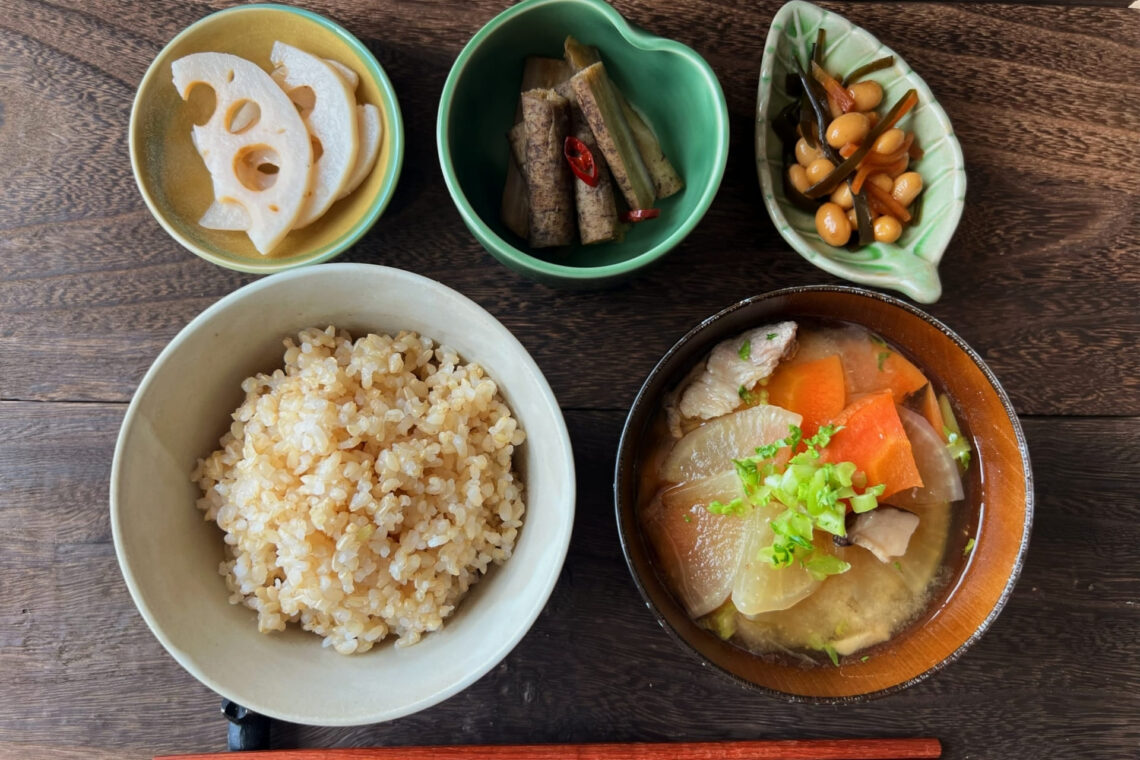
[(1000, 493)]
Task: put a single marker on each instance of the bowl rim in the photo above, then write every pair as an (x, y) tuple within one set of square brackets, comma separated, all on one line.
[(827, 261), (636, 37), (623, 467), (544, 586), (389, 105)]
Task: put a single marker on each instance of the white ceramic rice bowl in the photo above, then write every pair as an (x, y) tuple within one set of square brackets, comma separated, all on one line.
[(169, 554)]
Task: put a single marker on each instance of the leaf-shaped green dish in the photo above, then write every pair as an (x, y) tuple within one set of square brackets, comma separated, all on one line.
[(911, 264)]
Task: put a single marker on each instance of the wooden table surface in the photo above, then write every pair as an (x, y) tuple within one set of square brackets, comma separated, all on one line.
[(1043, 278)]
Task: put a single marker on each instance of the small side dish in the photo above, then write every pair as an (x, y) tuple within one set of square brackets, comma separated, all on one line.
[(576, 138), (479, 104), (846, 163), (283, 146), (805, 498), (364, 487), (176, 183), (910, 263)]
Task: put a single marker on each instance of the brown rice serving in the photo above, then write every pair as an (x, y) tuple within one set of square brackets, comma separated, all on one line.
[(363, 488)]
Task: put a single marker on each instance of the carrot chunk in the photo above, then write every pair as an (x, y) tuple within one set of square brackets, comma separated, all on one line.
[(869, 362), (874, 439), (898, 374), (814, 389)]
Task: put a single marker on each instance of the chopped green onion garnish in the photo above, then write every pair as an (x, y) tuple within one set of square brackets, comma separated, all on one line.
[(736, 507), (958, 447), (688, 518), (969, 548), (815, 495), (822, 565), (864, 658), (863, 502), (844, 471), (957, 444), (771, 336), (832, 654), (745, 350), (883, 356), (821, 438)]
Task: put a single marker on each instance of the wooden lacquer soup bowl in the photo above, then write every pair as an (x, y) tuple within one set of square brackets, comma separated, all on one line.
[(999, 499)]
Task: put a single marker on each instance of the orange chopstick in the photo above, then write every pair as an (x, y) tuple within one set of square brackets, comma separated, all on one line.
[(791, 749)]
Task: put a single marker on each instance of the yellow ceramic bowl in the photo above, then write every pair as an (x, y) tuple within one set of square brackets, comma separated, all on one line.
[(175, 183)]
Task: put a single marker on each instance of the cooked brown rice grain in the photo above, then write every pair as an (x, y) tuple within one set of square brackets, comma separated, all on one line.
[(363, 488)]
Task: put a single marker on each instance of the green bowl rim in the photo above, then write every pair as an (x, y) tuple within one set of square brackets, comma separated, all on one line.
[(639, 39), (768, 187), (389, 104)]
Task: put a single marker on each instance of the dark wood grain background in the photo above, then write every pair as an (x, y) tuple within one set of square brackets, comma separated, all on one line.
[(1043, 278)]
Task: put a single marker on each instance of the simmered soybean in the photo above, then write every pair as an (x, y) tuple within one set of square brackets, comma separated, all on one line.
[(848, 128), (890, 141), (854, 160), (819, 169), (906, 188), (868, 95), (842, 196), (887, 229), (797, 175), (832, 224), (805, 153)]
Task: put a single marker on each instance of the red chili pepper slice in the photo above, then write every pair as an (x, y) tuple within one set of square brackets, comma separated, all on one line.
[(581, 161), (640, 214)]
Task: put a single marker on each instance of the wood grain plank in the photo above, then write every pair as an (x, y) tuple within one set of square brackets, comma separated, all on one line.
[(85, 677), (91, 288), (1060, 667), (1042, 278)]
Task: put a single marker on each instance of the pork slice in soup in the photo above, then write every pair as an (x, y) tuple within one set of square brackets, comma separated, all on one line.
[(734, 367)]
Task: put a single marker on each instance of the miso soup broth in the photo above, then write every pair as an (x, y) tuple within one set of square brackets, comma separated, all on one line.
[(805, 491)]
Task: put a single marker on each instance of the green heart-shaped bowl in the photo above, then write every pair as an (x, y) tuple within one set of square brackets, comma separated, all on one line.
[(668, 82), (911, 264)]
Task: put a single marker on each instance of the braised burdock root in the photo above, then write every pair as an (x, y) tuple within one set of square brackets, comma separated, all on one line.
[(666, 181), (615, 139), (569, 107), (546, 118), (597, 210), (538, 73)]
